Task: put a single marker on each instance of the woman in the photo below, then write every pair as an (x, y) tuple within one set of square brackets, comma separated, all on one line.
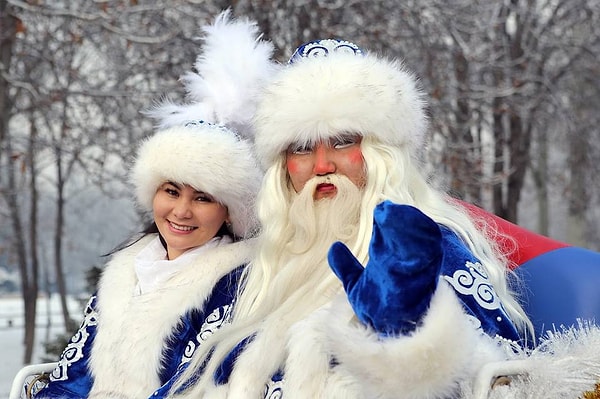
[(163, 294)]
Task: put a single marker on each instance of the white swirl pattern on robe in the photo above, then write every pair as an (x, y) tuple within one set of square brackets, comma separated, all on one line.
[(213, 322), (274, 390), (474, 282), (74, 350)]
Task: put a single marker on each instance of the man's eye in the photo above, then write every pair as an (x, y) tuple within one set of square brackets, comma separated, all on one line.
[(300, 148), (343, 142)]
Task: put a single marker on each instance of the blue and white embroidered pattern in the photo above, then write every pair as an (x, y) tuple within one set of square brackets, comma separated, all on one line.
[(473, 281), (321, 48), (213, 322), (274, 389), (74, 350)]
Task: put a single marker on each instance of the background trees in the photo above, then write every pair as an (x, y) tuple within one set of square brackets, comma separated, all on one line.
[(513, 89)]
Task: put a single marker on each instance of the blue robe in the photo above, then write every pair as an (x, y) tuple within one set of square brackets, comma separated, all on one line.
[(131, 345)]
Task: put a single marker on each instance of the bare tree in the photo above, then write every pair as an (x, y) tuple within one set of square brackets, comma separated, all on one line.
[(13, 162)]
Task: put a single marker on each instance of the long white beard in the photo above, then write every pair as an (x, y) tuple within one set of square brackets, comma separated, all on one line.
[(313, 227), (304, 282), (318, 224)]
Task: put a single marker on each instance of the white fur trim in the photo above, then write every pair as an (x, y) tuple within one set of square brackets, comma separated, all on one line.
[(429, 363), (564, 366), (207, 157), (308, 372), (127, 349), (320, 97)]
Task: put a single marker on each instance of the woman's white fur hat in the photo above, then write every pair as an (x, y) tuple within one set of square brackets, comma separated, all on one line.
[(200, 143), (331, 87), (208, 157)]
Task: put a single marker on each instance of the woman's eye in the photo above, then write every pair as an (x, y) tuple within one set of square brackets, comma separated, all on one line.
[(171, 192), (204, 198)]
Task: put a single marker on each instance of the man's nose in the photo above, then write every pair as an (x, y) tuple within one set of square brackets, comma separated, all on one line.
[(324, 163)]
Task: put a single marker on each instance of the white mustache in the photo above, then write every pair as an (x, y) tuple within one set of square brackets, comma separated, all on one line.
[(334, 179)]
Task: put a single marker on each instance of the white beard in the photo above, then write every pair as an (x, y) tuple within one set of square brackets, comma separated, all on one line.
[(304, 282), (313, 227), (318, 224)]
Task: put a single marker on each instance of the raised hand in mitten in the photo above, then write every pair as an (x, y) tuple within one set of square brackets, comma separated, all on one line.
[(393, 291)]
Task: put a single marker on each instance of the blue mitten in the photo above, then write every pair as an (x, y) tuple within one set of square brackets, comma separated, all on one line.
[(393, 291)]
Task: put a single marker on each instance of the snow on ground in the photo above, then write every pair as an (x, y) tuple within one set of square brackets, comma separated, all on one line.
[(11, 333)]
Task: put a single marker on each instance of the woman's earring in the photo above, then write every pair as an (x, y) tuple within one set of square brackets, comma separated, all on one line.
[(228, 225)]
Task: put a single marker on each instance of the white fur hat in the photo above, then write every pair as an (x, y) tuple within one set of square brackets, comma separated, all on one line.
[(198, 142), (331, 87), (208, 157)]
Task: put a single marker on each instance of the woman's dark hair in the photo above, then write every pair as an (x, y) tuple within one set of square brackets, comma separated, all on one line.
[(152, 228)]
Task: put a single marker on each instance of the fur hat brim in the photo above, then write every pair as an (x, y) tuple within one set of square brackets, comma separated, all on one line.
[(317, 98), (209, 158)]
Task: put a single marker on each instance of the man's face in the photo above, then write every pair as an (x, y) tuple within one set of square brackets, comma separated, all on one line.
[(339, 155)]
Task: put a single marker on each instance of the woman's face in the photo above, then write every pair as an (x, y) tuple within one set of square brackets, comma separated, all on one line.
[(340, 155), (186, 218)]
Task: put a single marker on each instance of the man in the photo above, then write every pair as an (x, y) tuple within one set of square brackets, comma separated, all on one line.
[(338, 132)]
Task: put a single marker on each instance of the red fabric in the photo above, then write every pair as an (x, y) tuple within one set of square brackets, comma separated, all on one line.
[(529, 244)]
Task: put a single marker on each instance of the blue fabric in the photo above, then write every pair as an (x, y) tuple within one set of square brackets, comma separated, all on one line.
[(408, 254), (175, 349), (222, 296), (71, 379), (225, 369), (561, 286), (474, 289), (76, 382), (393, 291), (221, 375)]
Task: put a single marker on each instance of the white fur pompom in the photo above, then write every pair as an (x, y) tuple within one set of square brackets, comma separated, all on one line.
[(229, 73)]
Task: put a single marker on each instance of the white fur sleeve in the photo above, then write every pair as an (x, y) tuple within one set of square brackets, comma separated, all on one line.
[(445, 351)]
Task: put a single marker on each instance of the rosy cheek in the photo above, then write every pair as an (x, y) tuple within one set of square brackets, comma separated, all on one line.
[(355, 156), (292, 166)]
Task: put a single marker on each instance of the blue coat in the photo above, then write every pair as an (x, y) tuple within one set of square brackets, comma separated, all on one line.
[(132, 345)]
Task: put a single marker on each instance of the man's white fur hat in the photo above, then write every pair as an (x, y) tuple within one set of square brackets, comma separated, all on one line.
[(211, 159), (207, 143), (331, 87)]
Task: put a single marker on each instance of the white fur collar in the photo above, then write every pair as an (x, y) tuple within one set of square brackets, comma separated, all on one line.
[(126, 353)]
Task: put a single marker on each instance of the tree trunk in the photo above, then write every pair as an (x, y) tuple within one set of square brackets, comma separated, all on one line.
[(11, 166), (540, 179), (32, 223), (28, 284), (519, 160), (511, 125), (463, 153), (579, 195), (498, 165), (58, 263)]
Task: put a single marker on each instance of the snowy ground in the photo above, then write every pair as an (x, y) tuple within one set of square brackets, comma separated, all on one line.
[(11, 333)]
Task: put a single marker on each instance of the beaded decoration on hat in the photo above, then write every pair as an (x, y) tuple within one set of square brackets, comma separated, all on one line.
[(321, 48)]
